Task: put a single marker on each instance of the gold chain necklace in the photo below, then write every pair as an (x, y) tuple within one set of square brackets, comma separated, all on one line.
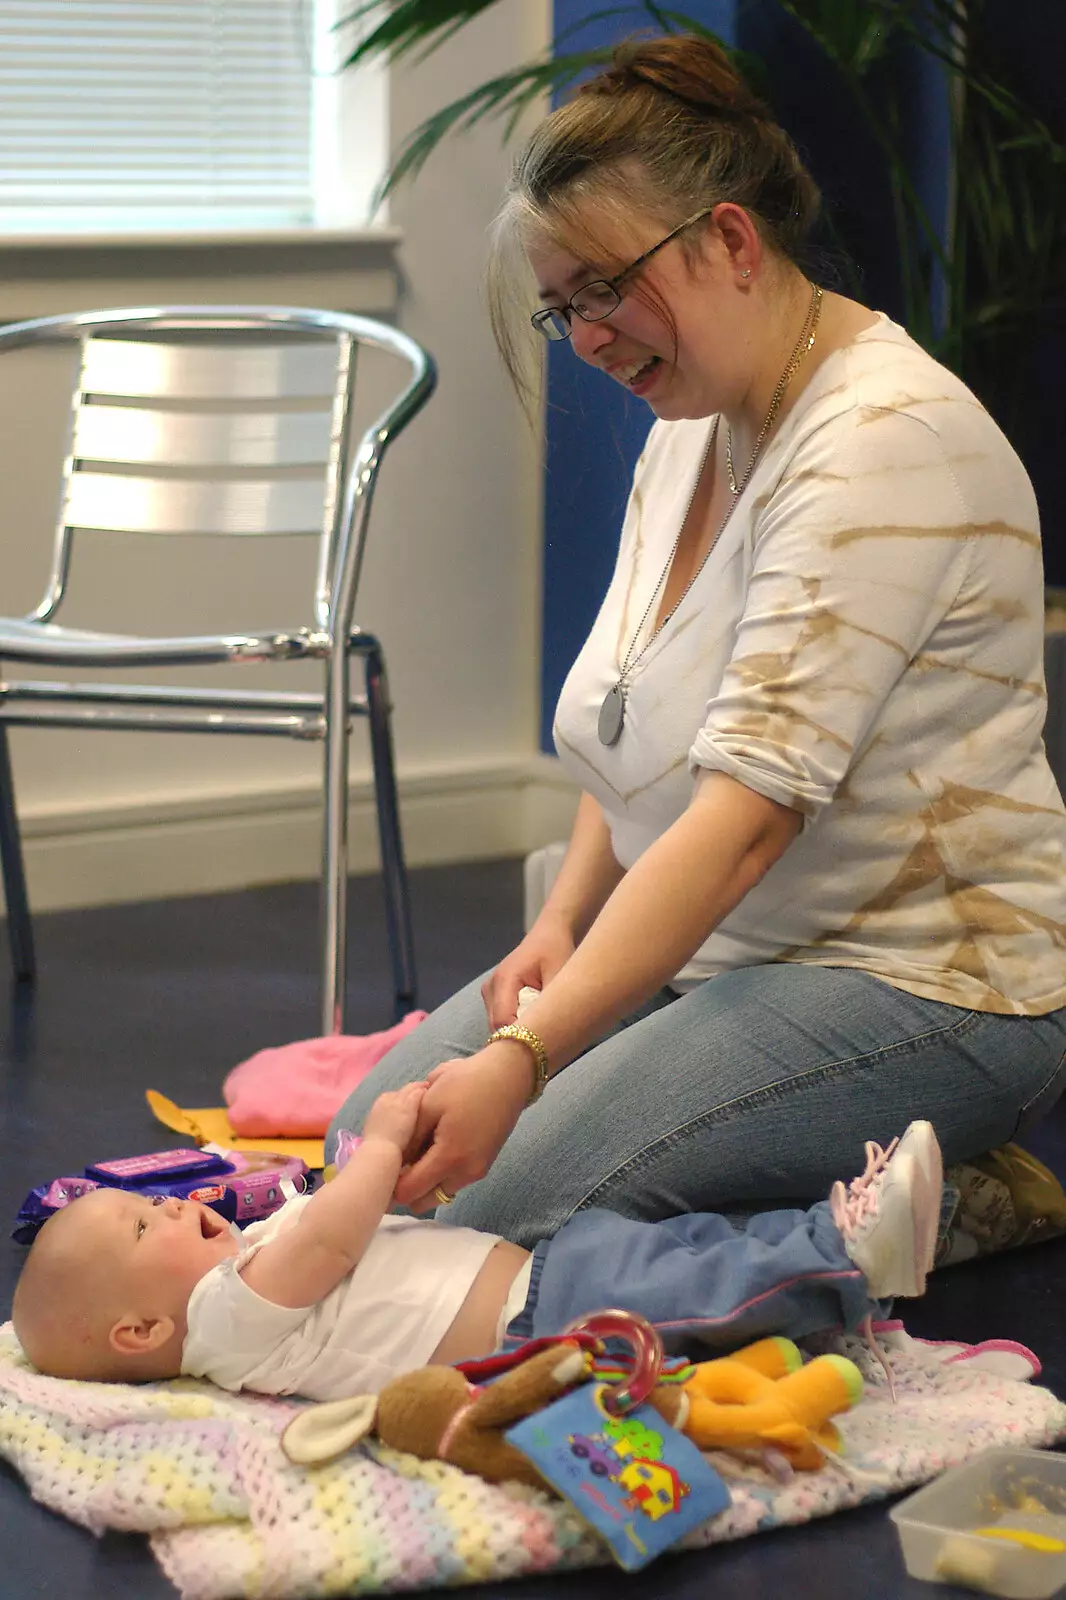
[(803, 344), (612, 715)]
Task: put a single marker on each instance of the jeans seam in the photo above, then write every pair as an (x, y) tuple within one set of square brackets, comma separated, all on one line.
[(768, 1095), (1021, 1124)]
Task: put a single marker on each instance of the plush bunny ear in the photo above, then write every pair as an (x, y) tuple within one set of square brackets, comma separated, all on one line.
[(321, 1433)]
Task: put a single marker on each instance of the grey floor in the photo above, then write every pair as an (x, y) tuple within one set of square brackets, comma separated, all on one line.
[(171, 995)]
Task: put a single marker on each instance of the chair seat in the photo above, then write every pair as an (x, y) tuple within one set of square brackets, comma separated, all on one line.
[(24, 639)]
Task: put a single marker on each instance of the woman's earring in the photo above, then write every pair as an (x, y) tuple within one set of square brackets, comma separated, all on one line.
[(746, 272)]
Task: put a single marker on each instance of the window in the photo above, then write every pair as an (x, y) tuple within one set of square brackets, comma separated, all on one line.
[(146, 116)]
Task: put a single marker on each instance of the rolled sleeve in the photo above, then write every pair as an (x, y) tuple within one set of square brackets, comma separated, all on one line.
[(856, 556)]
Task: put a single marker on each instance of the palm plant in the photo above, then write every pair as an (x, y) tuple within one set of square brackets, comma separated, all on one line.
[(975, 284)]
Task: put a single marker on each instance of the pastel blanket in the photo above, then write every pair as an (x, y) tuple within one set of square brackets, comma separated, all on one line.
[(201, 1473)]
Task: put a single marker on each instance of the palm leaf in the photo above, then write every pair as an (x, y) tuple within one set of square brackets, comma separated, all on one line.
[(427, 24), (999, 97), (853, 34), (408, 25), (507, 96)]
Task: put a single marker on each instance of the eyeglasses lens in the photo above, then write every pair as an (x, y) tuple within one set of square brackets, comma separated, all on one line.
[(553, 325), (596, 301), (592, 303)]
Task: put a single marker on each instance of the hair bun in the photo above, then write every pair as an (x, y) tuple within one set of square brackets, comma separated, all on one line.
[(688, 67)]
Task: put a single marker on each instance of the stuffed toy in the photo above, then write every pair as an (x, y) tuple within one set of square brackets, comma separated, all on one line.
[(763, 1396), (766, 1396)]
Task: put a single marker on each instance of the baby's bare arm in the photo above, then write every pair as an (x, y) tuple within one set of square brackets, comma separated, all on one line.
[(304, 1263)]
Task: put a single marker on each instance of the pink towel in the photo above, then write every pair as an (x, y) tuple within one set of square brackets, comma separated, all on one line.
[(294, 1089)]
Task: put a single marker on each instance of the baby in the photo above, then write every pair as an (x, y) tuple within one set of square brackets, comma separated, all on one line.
[(331, 1296)]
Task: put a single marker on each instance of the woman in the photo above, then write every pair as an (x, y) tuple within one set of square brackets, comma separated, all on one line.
[(815, 883)]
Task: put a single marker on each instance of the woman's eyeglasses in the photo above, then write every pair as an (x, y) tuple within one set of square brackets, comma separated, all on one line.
[(595, 301)]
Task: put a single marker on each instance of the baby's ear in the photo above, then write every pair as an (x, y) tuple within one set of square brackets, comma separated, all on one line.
[(140, 1337)]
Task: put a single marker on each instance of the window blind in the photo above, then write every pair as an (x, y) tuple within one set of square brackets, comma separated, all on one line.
[(146, 115)]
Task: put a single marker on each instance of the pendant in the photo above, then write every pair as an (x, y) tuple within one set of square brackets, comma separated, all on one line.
[(612, 716)]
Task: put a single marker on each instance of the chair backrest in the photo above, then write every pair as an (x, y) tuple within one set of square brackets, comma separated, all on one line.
[(224, 420)]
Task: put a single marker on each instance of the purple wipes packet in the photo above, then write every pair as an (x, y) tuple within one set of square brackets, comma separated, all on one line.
[(43, 1201), (241, 1185), (159, 1166)]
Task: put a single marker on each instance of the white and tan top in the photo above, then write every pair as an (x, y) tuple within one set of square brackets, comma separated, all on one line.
[(864, 644)]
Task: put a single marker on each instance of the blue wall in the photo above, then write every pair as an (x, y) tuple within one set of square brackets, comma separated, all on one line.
[(594, 433)]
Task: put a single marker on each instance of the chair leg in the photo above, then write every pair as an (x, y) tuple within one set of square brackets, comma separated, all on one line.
[(19, 926), (335, 848), (394, 870)]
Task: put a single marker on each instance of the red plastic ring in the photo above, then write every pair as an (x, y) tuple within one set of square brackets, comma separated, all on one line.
[(642, 1340)]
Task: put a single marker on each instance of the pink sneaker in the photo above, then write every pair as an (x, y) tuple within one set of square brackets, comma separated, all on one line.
[(919, 1140), (889, 1216)]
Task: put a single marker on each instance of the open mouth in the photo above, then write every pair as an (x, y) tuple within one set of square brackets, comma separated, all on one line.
[(634, 375), (211, 1224)]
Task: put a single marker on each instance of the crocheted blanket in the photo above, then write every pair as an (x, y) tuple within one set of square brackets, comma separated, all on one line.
[(200, 1471)]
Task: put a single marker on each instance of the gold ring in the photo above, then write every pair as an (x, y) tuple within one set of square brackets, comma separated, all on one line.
[(443, 1196)]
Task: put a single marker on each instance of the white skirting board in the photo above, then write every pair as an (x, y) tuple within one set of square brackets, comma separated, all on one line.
[(199, 844), (540, 871)]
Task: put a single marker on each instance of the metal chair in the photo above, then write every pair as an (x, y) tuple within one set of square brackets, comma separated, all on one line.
[(228, 420)]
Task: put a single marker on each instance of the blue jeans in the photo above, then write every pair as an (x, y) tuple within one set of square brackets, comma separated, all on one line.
[(699, 1279), (758, 1087)]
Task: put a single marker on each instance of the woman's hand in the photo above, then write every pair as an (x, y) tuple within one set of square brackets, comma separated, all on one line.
[(546, 948), (466, 1115)]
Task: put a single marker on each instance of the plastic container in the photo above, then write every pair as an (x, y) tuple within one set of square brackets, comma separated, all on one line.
[(996, 1524)]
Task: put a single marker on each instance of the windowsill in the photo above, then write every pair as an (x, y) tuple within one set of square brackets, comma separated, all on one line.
[(339, 269), (385, 237)]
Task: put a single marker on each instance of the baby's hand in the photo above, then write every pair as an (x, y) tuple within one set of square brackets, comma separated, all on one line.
[(394, 1115)]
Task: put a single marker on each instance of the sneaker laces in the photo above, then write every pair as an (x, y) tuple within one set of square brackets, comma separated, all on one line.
[(876, 1350), (841, 1463), (851, 1206), (849, 1469)]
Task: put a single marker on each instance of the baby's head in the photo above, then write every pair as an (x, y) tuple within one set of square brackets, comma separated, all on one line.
[(104, 1290)]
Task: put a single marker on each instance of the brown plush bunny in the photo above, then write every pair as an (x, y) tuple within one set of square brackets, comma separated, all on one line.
[(435, 1414)]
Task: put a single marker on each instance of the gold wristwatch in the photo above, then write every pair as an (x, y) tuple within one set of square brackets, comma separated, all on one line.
[(526, 1036)]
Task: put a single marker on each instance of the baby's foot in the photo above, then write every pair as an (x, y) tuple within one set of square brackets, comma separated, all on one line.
[(889, 1216)]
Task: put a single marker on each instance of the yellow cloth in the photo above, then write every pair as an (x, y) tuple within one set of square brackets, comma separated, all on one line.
[(211, 1125)]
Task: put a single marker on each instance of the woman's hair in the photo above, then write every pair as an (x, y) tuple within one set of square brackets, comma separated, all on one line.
[(667, 129)]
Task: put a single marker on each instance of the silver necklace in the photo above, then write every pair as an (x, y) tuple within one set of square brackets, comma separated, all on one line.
[(613, 710), (612, 715)]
